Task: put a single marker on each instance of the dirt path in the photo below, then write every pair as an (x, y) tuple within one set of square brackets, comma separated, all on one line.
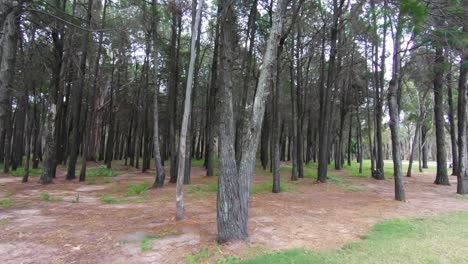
[(141, 229)]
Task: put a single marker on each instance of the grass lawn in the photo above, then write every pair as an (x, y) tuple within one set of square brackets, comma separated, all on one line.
[(439, 239)]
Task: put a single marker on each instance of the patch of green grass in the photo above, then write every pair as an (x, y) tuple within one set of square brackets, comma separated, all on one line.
[(265, 187), (199, 257), (45, 196), (340, 182), (19, 172), (439, 239), (461, 197), (101, 171), (228, 259), (198, 162), (147, 242), (7, 202), (107, 199), (202, 189), (136, 189), (5, 221)]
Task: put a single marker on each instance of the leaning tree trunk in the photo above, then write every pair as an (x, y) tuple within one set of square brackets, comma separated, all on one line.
[(235, 179), (441, 176), (185, 118)]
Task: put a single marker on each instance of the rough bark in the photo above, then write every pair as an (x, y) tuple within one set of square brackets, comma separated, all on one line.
[(8, 42), (235, 179), (325, 99), (89, 141), (462, 178), (77, 118), (441, 157)]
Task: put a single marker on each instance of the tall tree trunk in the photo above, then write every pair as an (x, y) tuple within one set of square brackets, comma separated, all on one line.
[(110, 119), (160, 174), (8, 42), (75, 143), (173, 83), (441, 176), (325, 99), (180, 211), (450, 115), (462, 177), (50, 151), (235, 179), (393, 107), (89, 141), (299, 105), (211, 107)]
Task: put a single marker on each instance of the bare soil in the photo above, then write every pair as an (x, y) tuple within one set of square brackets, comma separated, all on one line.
[(76, 226)]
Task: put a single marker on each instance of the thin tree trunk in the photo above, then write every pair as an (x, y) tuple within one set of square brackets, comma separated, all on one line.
[(180, 211), (160, 174), (450, 115), (393, 107)]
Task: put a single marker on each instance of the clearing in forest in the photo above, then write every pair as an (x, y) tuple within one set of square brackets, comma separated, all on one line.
[(117, 218)]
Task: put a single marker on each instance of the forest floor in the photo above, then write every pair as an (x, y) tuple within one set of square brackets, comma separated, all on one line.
[(116, 218)]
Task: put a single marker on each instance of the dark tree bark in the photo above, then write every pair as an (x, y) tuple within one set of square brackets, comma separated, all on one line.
[(326, 95), (8, 41), (89, 141), (441, 176), (173, 84), (77, 118), (211, 106), (235, 179), (462, 178), (19, 135), (379, 83)]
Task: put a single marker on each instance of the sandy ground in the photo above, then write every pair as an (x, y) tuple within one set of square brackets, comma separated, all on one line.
[(315, 216)]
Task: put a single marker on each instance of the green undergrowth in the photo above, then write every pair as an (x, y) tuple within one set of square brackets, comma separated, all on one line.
[(137, 189), (340, 182), (19, 172), (7, 202), (46, 197), (265, 187), (439, 239), (101, 171), (202, 189)]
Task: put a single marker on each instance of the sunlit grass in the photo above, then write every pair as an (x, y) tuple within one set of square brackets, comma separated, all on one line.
[(439, 239)]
